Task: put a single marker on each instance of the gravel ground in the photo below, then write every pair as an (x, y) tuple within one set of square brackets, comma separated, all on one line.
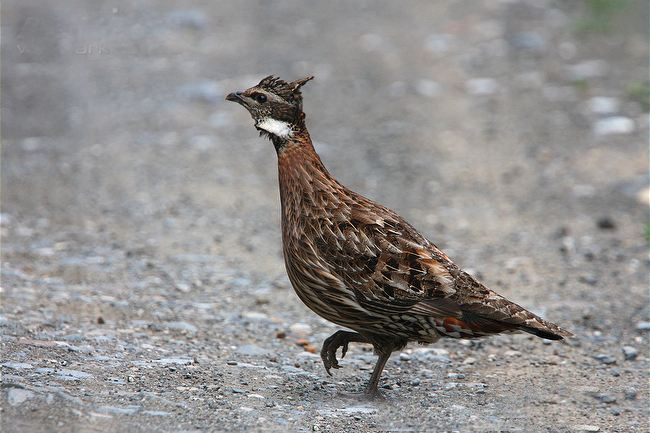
[(142, 278)]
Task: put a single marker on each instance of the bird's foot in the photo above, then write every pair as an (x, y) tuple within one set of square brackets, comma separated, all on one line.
[(331, 345)]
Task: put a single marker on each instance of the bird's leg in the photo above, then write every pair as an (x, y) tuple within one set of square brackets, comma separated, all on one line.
[(333, 342), (372, 391)]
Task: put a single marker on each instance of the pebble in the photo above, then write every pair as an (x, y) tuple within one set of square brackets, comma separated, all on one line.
[(630, 352), (588, 69), (180, 361), (300, 329), (16, 396), (630, 394), (155, 413), (427, 88), (604, 105), (589, 279), (606, 398), (469, 361), (606, 223), (481, 86), (605, 359), (586, 427), (73, 374), (17, 365), (529, 41), (643, 326), (254, 315), (438, 43), (181, 326), (127, 410), (415, 382), (614, 125), (455, 376), (404, 357)]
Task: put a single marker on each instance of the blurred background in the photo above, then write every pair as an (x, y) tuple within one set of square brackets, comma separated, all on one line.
[(513, 134)]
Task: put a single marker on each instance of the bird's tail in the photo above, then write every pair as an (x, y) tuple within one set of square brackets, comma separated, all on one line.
[(541, 328)]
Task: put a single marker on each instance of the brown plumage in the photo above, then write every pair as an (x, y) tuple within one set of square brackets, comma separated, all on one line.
[(359, 264)]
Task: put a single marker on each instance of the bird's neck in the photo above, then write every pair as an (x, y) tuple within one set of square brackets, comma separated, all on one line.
[(305, 183)]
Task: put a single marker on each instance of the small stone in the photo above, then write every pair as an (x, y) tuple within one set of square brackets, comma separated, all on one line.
[(481, 86), (630, 394), (643, 326), (300, 329), (427, 88), (604, 105), (183, 287), (238, 391), (455, 376), (438, 43), (232, 363), (17, 365), (605, 359), (586, 427), (280, 334), (179, 361), (415, 382), (469, 361), (630, 352), (614, 125), (100, 320), (404, 357), (512, 353), (588, 69), (606, 223), (181, 326), (155, 413), (73, 374), (606, 398), (16, 396), (589, 279), (255, 316), (128, 410), (528, 41)]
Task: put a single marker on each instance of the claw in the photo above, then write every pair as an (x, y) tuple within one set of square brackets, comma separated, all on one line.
[(331, 345), (344, 350)]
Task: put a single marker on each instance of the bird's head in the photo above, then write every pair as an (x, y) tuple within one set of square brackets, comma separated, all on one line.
[(275, 105)]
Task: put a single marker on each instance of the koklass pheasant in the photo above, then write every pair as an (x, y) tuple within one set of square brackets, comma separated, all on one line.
[(359, 264)]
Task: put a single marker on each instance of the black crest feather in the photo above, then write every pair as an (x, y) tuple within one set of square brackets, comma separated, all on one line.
[(290, 92)]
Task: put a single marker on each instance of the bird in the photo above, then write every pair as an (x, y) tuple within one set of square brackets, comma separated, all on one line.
[(359, 264)]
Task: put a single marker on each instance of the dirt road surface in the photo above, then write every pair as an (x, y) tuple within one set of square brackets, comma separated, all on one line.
[(143, 288)]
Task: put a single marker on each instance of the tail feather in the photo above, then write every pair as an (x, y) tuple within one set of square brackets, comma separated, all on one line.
[(544, 329)]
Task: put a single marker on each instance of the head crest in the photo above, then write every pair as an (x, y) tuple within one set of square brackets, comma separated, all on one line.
[(290, 92)]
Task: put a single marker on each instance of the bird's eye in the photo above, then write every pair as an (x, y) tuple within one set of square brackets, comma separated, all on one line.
[(260, 97)]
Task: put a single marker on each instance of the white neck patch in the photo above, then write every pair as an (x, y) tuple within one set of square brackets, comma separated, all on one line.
[(275, 127)]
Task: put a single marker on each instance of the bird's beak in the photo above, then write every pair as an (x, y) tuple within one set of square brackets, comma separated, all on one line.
[(235, 97)]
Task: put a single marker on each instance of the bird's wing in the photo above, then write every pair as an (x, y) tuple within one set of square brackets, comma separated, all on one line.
[(393, 269), (384, 260)]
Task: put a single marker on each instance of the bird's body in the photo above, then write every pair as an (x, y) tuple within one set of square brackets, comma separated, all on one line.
[(360, 265)]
